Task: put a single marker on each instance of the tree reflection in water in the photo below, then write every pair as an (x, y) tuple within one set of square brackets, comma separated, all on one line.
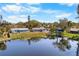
[(33, 40), (3, 46), (62, 44), (76, 38), (29, 42), (77, 53)]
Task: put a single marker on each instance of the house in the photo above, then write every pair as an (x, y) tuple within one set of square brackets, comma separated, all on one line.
[(18, 30), (41, 29), (74, 30)]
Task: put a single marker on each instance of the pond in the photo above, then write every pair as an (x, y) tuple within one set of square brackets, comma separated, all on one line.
[(40, 47)]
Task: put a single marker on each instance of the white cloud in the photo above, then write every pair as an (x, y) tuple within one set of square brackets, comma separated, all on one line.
[(63, 15), (49, 11), (12, 8), (22, 16), (67, 4), (17, 8), (15, 19), (0, 10), (70, 4), (12, 17), (33, 3), (33, 9)]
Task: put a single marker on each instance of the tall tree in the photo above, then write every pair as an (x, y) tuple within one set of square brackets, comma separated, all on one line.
[(34, 23), (29, 26), (63, 23), (78, 13), (78, 10)]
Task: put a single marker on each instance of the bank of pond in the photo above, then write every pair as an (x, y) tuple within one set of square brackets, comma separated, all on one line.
[(28, 35)]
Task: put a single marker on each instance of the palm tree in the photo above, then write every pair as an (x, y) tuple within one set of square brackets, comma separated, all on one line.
[(78, 10), (77, 53), (29, 25)]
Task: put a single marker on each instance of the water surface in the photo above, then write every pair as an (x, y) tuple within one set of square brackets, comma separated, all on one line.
[(39, 47)]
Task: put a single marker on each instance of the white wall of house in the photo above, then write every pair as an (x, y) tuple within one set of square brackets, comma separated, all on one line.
[(18, 30), (74, 29)]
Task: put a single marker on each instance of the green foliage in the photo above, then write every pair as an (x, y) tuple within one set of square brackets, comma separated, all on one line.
[(34, 23), (2, 46)]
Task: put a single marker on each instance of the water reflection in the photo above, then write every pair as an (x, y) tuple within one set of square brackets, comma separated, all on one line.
[(76, 38), (3, 46), (42, 47), (29, 42), (62, 44), (77, 53), (33, 40)]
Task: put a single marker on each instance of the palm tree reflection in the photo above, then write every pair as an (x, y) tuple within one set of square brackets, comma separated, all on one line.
[(77, 53), (76, 38), (29, 42), (62, 44)]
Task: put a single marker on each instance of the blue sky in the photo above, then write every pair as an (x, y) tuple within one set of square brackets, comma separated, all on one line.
[(43, 12)]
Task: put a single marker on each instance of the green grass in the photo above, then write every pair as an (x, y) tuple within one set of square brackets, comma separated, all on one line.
[(28, 35), (70, 35)]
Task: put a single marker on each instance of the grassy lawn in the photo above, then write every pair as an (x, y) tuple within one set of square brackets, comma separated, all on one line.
[(28, 35), (70, 35)]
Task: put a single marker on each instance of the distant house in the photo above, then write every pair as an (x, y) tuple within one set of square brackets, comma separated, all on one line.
[(74, 30), (41, 29), (18, 30)]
